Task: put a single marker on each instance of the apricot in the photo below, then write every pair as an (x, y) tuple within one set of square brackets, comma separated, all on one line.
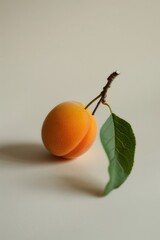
[(69, 130)]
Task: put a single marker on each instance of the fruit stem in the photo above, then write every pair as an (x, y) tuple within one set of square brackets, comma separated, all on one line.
[(93, 101), (103, 94)]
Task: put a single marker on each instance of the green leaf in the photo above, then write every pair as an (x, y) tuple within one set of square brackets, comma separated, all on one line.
[(119, 142)]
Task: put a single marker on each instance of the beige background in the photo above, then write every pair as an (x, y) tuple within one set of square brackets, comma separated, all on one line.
[(52, 51)]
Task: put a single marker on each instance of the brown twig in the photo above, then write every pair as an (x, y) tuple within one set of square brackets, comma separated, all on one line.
[(103, 94)]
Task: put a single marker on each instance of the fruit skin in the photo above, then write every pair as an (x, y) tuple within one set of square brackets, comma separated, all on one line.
[(69, 130)]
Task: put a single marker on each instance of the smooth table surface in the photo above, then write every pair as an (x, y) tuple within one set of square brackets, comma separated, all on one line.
[(53, 51)]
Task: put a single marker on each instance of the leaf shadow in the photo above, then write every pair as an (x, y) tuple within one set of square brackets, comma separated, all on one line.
[(68, 184), (84, 185)]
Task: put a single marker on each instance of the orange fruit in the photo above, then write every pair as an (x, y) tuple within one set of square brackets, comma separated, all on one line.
[(69, 130)]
